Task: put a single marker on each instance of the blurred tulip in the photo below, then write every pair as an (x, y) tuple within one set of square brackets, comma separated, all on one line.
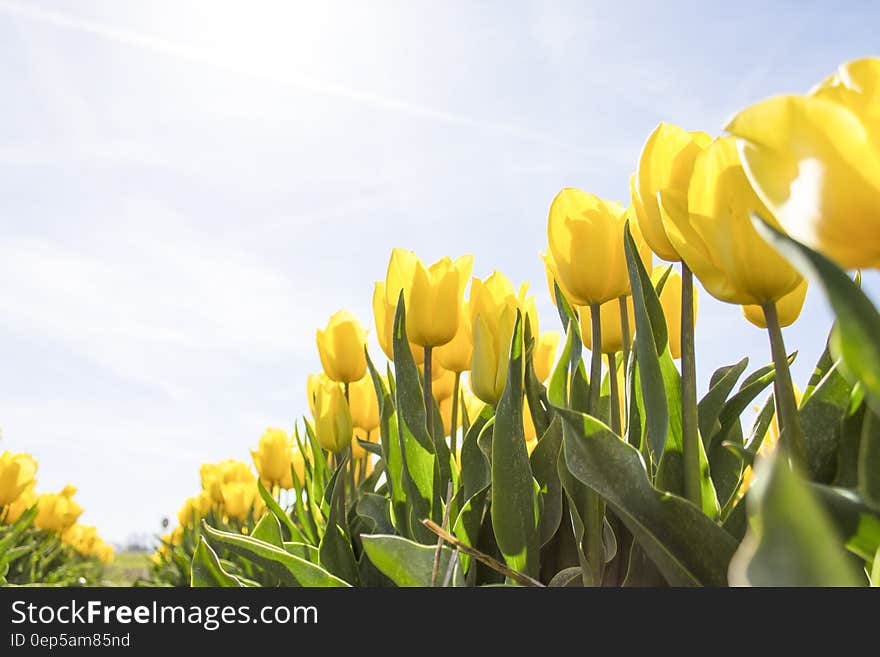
[(383, 312), (194, 509), (718, 241), (238, 498), (814, 160), (341, 348), (609, 318), (22, 503), (363, 404), (788, 307), (442, 383), (16, 474), (665, 166), (544, 355), (272, 457), (456, 355), (670, 299), (214, 475), (473, 405), (333, 425), (434, 303), (297, 461), (57, 511)]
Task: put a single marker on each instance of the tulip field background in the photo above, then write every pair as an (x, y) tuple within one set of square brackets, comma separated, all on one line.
[(326, 295)]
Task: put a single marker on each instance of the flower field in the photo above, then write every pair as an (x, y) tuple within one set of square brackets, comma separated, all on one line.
[(482, 447)]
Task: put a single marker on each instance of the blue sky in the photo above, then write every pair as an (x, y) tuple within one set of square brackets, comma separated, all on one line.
[(189, 189)]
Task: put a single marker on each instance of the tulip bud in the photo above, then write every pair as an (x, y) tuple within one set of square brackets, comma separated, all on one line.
[(363, 404), (16, 474), (609, 319), (788, 308), (57, 511), (238, 497), (333, 425), (544, 355), (456, 355), (341, 348), (815, 162), (665, 165), (670, 300), (718, 241), (492, 341), (435, 299), (273, 456), (214, 475)]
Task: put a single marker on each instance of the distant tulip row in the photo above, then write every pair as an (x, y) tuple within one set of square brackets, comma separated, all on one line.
[(28, 519), (542, 469)]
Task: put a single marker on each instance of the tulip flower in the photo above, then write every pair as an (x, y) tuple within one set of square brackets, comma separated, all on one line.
[(383, 312), (238, 498), (16, 474), (585, 237), (456, 355), (297, 462), (670, 299), (472, 404), (665, 166), (333, 425), (57, 511), (609, 317), (273, 456), (22, 503), (788, 307), (364, 405), (814, 161), (195, 508), (721, 246), (341, 348), (544, 355), (434, 303), (214, 475)]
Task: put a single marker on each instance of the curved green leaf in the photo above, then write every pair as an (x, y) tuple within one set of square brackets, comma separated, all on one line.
[(207, 570), (407, 563)]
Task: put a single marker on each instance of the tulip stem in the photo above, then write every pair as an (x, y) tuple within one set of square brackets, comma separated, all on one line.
[(453, 429), (429, 396), (690, 434), (615, 394), (791, 435), (595, 360), (624, 329)]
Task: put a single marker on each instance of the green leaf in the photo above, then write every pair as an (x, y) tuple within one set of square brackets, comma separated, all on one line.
[(558, 385), (544, 460), (709, 408), (784, 547), (407, 563), (16, 530), (650, 341), (856, 337), (869, 461), (856, 522), (268, 530), (278, 513), (821, 419), (290, 569), (687, 547), (303, 551), (570, 576), (514, 506), (376, 511), (335, 549), (207, 570)]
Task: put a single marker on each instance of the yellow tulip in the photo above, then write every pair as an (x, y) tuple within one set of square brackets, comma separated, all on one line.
[(442, 383), (493, 306), (57, 511), (788, 307), (22, 503), (531, 444), (16, 474), (341, 348), (544, 355), (214, 475), (273, 456), (297, 460), (670, 299), (238, 497), (383, 312), (194, 509), (333, 425), (815, 162), (434, 303), (665, 166), (585, 237), (103, 551), (718, 241), (456, 355), (363, 404), (81, 538), (609, 320)]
